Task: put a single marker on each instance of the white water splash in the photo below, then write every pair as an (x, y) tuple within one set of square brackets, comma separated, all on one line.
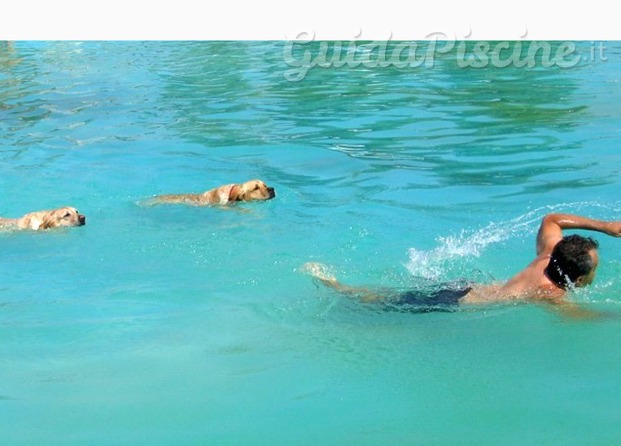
[(434, 264), (437, 263)]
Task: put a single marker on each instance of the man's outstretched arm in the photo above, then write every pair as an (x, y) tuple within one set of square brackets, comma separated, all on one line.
[(552, 225), (576, 311)]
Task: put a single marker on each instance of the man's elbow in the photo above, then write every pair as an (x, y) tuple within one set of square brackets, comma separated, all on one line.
[(552, 218), (562, 221)]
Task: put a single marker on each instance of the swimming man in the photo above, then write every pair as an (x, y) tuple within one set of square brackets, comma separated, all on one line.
[(561, 264)]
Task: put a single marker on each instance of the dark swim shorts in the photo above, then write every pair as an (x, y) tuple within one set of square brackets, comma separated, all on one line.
[(427, 301)]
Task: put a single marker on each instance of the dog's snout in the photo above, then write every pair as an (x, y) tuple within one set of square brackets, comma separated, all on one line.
[(271, 191), (82, 219)]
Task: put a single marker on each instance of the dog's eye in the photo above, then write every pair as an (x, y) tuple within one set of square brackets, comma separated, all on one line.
[(67, 215)]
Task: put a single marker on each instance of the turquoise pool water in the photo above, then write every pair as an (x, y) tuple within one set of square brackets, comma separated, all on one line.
[(176, 325)]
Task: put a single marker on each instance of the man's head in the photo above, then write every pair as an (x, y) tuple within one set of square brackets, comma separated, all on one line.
[(573, 261)]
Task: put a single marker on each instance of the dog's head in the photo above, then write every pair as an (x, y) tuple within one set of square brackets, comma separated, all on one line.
[(251, 191), (66, 216)]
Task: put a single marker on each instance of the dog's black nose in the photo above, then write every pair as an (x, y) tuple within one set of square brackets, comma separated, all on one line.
[(271, 191), (82, 219)]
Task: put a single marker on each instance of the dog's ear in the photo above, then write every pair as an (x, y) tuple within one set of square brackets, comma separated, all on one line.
[(48, 221), (236, 193)]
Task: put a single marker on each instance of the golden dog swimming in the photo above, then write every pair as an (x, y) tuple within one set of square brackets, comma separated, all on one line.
[(40, 220), (253, 190)]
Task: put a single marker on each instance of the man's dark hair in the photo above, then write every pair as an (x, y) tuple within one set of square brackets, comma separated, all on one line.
[(570, 260)]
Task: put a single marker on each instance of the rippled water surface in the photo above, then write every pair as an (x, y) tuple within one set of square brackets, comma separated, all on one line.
[(176, 325)]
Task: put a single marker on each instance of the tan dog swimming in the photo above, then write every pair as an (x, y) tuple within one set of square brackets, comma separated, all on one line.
[(249, 191), (36, 221)]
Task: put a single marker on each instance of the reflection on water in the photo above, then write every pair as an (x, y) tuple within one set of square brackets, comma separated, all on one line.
[(20, 106), (448, 125), (457, 125)]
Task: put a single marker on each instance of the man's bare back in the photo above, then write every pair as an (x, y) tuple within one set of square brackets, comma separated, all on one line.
[(556, 268), (530, 283)]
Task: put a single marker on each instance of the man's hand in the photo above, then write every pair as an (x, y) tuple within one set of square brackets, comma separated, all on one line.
[(613, 228)]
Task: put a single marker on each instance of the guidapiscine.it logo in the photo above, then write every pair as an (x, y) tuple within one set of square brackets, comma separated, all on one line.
[(304, 53)]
